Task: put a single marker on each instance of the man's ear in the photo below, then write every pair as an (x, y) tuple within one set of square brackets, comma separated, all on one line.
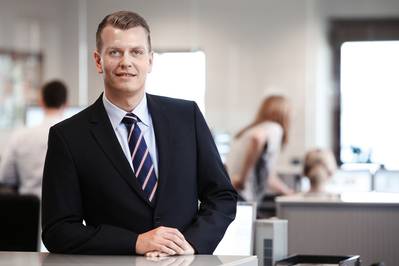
[(150, 58), (98, 62)]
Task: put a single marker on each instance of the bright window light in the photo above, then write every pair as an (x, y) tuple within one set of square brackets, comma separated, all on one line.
[(369, 102), (179, 75)]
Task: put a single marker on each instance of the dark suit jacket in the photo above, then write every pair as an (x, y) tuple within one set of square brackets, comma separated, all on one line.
[(87, 177)]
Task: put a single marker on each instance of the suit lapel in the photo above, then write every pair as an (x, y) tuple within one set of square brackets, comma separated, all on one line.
[(104, 134), (163, 138)]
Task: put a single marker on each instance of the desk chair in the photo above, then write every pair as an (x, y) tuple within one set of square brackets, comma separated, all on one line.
[(266, 208), (19, 222)]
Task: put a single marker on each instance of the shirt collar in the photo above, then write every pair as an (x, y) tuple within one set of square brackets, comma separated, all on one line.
[(53, 119), (116, 114)]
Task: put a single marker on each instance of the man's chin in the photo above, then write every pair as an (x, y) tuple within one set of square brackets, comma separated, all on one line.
[(129, 89)]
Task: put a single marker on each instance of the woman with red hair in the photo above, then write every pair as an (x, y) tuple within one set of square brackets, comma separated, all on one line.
[(252, 160)]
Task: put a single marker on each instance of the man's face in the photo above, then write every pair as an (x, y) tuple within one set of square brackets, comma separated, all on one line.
[(124, 60)]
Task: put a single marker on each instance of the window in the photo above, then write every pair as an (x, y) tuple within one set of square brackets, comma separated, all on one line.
[(369, 95), (179, 75), (365, 63)]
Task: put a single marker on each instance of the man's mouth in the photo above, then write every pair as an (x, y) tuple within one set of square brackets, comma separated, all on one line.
[(124, 74)]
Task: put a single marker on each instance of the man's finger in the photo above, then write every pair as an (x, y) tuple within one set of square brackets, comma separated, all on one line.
[(175, 239), (172, 231), (172, 245), (166, 249)]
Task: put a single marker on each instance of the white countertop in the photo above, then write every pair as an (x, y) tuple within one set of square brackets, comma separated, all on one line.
[(49, 259), (344, 198)]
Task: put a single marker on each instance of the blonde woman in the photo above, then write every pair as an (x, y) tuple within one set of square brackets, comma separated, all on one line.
[(319, 166), (251, 162)]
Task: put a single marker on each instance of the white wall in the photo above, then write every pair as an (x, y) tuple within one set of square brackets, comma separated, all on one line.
[(68, 17), (31, 26), (253, 48), (21, 20), (251, 51)]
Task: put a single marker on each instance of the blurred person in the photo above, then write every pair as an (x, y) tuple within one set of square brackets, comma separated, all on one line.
[(21, 165), (319, 166), (251, 162), (141, 171)]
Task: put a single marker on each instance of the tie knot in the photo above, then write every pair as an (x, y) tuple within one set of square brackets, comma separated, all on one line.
[(130, 119)]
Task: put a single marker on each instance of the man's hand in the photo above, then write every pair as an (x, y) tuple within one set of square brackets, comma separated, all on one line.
[(165, 240), (188, 250)]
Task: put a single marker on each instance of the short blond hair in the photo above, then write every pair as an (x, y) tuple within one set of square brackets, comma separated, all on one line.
[(123, 20), (319, 165)]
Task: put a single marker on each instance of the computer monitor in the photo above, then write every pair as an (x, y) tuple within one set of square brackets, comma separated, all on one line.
[(238, 239), (34, 114)]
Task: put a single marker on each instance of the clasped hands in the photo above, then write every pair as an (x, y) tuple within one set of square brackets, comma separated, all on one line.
[(163, 241)]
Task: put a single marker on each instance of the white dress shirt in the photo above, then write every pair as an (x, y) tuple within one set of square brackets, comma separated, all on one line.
[(22, 162), (272, 134), (116, 115)]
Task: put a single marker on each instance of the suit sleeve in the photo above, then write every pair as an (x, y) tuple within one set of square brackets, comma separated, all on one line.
[(218, 199), (62, 211)]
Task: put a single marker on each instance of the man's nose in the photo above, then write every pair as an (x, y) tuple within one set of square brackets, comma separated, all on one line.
[(126, 61)]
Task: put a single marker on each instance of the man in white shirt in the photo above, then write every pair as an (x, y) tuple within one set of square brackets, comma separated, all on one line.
[(21, 164)]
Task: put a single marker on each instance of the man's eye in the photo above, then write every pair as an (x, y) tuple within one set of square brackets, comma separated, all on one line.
[(138, 52), (114, 53)]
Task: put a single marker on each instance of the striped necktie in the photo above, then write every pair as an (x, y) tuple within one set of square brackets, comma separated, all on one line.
[(143, 166)]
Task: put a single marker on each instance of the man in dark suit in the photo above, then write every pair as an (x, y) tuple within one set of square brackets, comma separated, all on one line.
[(133, 173)]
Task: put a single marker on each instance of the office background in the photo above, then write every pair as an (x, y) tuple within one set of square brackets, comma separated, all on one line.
[(253, 49)]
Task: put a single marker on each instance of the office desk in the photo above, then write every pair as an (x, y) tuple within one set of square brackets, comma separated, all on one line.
[(364, 224), (47, 259)]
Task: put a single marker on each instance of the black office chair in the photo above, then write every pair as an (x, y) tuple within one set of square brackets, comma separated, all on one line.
[(19, 222), (266, 208)]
